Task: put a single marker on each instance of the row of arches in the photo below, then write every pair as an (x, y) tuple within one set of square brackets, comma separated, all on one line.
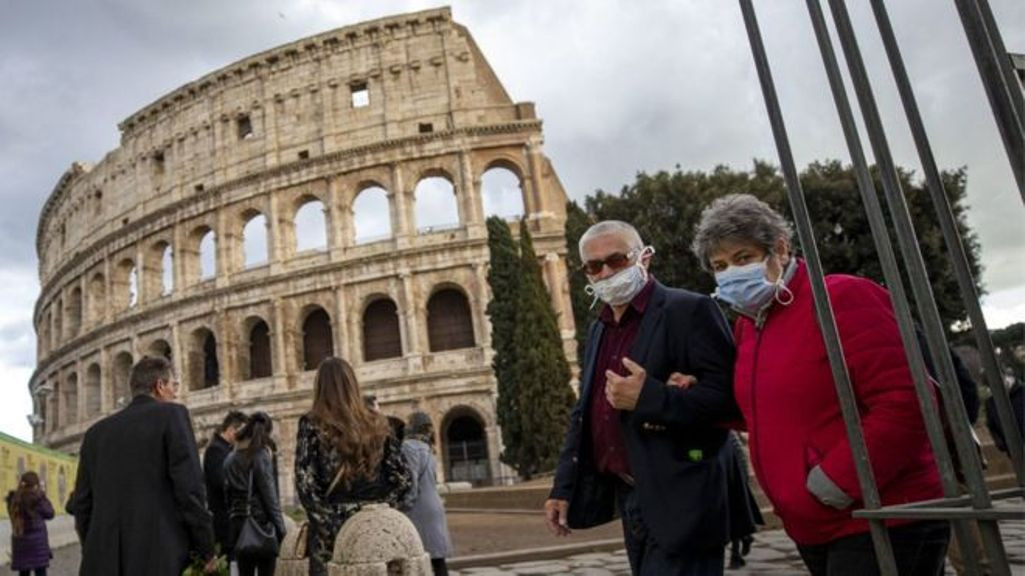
[(436, 208), (449, 327)]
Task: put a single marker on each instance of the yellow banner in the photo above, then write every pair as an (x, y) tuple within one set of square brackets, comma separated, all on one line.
[(56, 470)]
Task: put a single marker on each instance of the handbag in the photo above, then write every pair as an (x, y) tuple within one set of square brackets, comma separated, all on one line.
[(255, 539)]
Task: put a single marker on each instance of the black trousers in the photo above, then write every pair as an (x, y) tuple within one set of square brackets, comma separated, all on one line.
[(919, 549), (253, 566)]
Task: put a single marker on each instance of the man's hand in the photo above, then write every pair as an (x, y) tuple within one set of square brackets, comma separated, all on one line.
[(555, 516), (684, 381), (622, 391)]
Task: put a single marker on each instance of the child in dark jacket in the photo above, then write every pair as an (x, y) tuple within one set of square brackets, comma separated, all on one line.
[(29, 509)]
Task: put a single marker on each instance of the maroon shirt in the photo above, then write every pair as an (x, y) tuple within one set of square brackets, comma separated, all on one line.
[(617, 338)]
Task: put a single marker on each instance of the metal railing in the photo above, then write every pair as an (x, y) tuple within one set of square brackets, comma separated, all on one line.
[(977, 505)]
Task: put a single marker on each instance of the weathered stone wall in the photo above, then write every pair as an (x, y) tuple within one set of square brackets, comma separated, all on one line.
[(262, 138)]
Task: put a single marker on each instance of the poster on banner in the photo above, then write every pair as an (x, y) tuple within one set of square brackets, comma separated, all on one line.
[(56, 470)]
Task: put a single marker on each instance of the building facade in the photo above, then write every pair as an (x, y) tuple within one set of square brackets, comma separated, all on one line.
[(323, 197)]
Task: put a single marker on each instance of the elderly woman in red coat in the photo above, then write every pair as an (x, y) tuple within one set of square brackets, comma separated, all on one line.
[(784, 387), (29, 509)]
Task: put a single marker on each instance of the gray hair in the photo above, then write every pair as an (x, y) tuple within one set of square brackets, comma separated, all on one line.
[(738, 218), (625, 231)]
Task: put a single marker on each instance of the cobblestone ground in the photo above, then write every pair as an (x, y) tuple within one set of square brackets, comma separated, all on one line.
[(772, 553)]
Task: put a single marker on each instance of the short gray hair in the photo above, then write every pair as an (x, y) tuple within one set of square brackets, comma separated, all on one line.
[(738, 218), (625, 231)]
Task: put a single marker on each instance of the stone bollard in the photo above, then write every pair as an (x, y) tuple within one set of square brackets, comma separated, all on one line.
[(292, 558), (379, 541)]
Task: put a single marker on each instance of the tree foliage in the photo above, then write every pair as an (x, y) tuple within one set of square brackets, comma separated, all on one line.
[(504, 279), (666, 206)]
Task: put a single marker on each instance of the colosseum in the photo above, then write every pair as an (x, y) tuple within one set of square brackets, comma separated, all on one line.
[(323, 197)]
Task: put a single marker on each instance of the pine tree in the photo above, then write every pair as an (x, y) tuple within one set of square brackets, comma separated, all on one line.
[(541, 373), (504, 279)]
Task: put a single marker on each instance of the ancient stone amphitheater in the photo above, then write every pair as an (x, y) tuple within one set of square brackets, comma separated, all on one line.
[(323, 197)]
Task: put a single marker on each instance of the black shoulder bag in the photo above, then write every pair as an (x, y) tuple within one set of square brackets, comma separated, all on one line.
[(254, 539)]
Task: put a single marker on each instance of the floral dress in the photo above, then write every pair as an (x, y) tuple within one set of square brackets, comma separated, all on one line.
[(316, 465)]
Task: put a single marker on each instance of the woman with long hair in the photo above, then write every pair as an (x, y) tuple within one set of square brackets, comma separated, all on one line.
[(29, 509), (251, 489), (345, 457)]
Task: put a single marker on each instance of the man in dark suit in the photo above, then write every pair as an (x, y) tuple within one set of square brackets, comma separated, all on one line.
[(636, 446), (213, 472), (139, 502)]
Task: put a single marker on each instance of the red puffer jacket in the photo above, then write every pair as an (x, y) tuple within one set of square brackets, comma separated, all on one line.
[(785, 390)]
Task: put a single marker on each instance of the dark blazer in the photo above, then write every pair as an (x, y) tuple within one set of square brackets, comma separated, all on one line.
[(213, 474), (262, 501), (139, 502), (671, 438)]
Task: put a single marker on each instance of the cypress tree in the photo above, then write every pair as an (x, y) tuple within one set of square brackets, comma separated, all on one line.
[(504, 279)]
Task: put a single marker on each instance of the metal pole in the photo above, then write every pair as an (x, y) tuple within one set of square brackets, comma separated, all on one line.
[(823, 311), (997, 89), (1003, 61), (891, 273), (933, 327), (953, 242)]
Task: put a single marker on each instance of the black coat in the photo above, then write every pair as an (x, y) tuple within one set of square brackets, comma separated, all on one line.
[(261, 501), (139, 501), (213, 474), (671, 438)]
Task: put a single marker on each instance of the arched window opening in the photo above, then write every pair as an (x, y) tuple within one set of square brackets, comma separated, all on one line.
[(208, 255), (449, 325), (254, 240), (158, 271), (259, 351), (120, 390), (53, 421), (75, 312), (97, 298), (167, 271), (318, 342), (381, 336), (126, 285), (311, 227), (466, 450), (371, 215), (502, 194), (71, 400), (204, 367), (93, 391), (436, 205)]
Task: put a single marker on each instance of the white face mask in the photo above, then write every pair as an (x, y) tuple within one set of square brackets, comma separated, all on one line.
[(623, 286)]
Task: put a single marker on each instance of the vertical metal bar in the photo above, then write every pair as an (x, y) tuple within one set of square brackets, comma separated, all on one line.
[(957, 417), (997, 89), (953, 241), (1003, 61), (891, 273), (823, 310)]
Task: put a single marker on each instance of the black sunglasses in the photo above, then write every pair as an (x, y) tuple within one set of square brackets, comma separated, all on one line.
[(614, 261)]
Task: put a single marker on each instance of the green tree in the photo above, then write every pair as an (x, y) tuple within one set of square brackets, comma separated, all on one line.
[(504, 279), (540, 373), (577, 222)]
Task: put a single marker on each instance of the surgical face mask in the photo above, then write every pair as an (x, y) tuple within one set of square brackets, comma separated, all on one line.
[(746, 287), (623, 286)]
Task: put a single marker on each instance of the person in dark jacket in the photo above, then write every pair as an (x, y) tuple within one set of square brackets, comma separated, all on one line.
[(345, 457), (422, 504), (213, 473), (1016, 392), (29, 509), (139, 502), (250, 489)]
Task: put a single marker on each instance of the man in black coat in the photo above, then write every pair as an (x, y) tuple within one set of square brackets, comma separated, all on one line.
[(213, 472), (139, 502), (635, 446)]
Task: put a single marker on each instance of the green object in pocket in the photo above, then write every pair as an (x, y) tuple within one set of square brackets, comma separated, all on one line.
[(695, 455)]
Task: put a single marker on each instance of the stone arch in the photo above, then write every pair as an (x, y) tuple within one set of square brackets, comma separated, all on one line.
[(126, 285), (437, 205), (464, 441), (449, 320), (501, 190), (255, 353), (75, 312), (160, 347), (204, 365), (382, 337), (371, 214), (93, 391), (120, 390), (200, 255), (158, 270), (310, 224), (253, 239), (97, 297), (318, 341), (70, 400)]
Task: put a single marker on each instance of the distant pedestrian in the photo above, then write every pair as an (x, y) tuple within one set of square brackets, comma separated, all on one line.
[(422, 504), (345, 457), (213, 473), (140, 503), (29, 509), (250, 489)]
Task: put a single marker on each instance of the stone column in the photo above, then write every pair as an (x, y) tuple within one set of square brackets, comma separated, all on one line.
[(275, 243), (177, 352), (409, 316), (535, 163), (278, 322), (106, 382), (401, 209), (141, 296), (471, 203), (178, 260), (225, 238), (340, 324), (483, 296), (337, 233), (108, 295), (226, 351)]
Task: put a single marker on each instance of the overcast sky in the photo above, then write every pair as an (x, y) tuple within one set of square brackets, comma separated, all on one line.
[(621, 86)]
